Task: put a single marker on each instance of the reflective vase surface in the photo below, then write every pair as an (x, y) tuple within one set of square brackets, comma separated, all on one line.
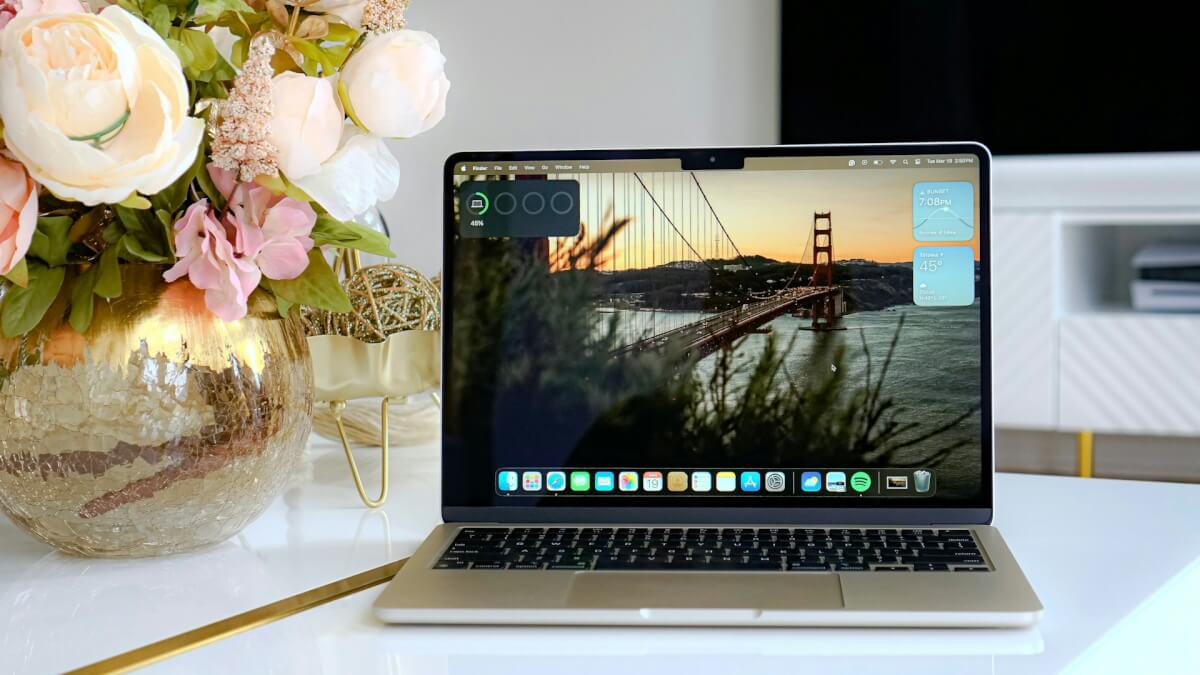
[(162, 429)]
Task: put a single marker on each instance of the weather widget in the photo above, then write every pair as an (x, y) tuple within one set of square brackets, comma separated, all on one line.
[(944, 211), (943, 276)]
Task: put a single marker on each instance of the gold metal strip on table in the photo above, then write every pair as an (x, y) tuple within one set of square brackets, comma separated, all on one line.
[(234, 625)]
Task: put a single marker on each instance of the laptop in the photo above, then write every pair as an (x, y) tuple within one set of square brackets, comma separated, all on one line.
[(729, 386)]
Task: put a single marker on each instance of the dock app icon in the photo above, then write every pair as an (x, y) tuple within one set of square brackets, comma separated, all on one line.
[(775, 481), (506, 481), (835, 481), (810, 481), (604, 481), (726, 481)]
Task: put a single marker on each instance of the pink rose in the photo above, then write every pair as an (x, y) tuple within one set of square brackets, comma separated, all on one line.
[(18, 213), (260, 234)]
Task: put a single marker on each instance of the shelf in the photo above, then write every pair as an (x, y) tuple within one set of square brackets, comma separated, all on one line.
[(1096, 267)]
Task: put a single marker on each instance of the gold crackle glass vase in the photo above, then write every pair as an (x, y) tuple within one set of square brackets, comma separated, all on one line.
[(162, 429)]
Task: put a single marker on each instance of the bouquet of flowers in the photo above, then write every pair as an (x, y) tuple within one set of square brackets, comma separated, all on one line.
[(234, 140)]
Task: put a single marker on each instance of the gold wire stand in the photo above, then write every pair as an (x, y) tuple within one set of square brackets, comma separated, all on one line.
[(350, 262), (337, 407), (346, 264)]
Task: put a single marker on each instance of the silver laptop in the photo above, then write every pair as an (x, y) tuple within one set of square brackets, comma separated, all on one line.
[(735, 386)]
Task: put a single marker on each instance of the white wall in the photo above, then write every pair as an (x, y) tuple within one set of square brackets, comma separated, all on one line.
[(585, 74)]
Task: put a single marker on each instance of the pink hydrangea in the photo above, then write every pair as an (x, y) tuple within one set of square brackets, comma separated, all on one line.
[(259, 234)]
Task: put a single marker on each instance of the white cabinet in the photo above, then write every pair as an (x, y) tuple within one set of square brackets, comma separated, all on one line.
[(1070, 353), (1024, 329)]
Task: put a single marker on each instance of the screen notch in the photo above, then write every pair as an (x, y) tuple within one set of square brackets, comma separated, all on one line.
[(699, 160)]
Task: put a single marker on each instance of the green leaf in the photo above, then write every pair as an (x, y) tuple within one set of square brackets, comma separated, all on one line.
[(136, 250), (19, 274), (135, 201), (312, 52), (317, 286), (171, 198), (340, 32), (86, 223), (83, 300), (204, 52), (338, 53), (181, 50), (152, 238), (108, 273), (209, 188), (50, 242), (213, 9), (241, 50), (283, 306), (130, 7), (329, 230), (24, 307), (159, 19), (214, 89)]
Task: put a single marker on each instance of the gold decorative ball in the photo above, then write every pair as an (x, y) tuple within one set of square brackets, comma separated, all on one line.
[(384, 299)]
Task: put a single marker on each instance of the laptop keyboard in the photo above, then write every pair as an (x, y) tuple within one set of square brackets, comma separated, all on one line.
[(714, 549)]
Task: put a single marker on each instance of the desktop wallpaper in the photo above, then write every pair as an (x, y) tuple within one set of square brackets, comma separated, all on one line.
[(749, 318)]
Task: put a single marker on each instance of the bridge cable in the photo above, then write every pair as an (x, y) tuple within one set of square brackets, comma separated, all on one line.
[(654, 200), (722, 225)]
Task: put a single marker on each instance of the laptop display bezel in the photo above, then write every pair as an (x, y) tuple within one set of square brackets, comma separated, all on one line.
[(457, 505)]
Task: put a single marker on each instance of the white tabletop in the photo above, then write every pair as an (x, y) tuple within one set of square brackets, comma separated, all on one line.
[(1116, 563)]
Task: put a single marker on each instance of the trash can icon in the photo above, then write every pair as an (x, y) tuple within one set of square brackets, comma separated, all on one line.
[(922, 480)]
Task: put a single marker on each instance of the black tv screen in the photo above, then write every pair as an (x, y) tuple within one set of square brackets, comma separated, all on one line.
[(1023, 77)]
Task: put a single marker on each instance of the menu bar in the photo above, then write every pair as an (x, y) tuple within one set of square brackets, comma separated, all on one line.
[(845, 162)]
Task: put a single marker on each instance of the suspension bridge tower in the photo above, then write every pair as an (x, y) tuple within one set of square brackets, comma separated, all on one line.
[(827, 308)]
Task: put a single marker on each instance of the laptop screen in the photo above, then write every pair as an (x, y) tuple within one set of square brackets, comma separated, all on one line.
[(637, 329)]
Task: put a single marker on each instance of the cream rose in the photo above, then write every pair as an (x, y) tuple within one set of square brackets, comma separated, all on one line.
[(95, 106), (395, 85), (14, 8), (18, 213), (358, 176), (306, 125), (350, 11)]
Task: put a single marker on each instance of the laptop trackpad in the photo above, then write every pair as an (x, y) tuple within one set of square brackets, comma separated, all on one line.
[(697, 590)]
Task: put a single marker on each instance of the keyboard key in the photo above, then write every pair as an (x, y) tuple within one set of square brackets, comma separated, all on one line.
[(807, 566), (930, 567)]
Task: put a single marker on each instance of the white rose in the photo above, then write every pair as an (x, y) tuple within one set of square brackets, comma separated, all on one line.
[(306, 124), (395, 85), (350, 11), (95, 106), (358, 176)]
